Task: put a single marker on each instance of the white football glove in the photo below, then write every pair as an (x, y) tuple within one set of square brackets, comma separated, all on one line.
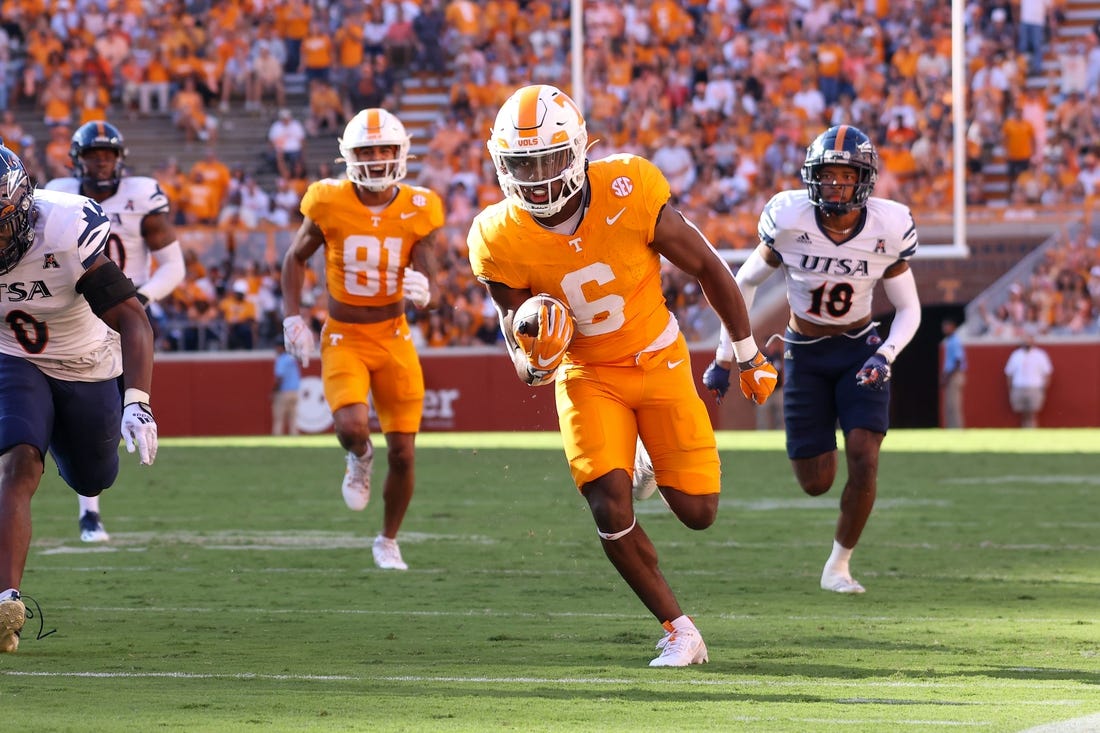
[(417, 288), (139, 430), (298, 339)]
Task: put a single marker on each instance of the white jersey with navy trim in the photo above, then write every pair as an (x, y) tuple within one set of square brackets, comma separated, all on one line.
[(136, 198), (829, 283), (42, 317)]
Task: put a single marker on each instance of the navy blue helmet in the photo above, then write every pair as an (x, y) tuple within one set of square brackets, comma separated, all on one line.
[(841, 145)]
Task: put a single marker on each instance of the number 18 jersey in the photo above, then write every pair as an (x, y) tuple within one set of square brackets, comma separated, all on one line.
[(829, 283)]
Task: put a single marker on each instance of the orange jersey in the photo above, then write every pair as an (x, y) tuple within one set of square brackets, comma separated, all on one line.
[(605, 271), (366, 251)]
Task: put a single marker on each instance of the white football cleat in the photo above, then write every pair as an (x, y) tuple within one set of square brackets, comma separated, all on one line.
[(13, 614), (356, 486), (645, 481), (840, 582), (387, 555), (91, 528), (680, 647)]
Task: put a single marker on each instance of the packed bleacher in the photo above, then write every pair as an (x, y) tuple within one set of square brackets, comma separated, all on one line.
[(723, 96)]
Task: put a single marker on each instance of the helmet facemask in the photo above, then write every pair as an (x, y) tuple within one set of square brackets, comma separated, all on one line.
[(373, 128), (97, 135), (841, 146), (388, 170), (17, 212), (538, 145), (91, 181), (530, 178)]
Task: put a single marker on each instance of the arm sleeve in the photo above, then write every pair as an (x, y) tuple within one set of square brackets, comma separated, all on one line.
[(169, 272), (902, 292), (750, 276)]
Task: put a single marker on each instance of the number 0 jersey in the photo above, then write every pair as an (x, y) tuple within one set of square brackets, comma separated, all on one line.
[(605, 271), (366, 251), (136, 198), (42, 317), (829, 283)]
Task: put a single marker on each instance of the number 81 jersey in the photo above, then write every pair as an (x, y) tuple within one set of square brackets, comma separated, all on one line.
[(366, 250), (828, 283)]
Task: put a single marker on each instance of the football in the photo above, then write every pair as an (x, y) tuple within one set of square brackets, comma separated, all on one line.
[(526, 320)]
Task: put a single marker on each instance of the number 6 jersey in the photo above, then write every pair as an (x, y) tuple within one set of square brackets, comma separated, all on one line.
[(828, 283)]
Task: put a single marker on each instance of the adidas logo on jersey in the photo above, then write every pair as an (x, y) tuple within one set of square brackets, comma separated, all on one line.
[(803, 238)]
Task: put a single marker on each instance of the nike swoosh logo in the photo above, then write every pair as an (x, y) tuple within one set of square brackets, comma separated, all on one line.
[(547, 362), (674, 364), (763, 375), (612, 219), (407, 214)]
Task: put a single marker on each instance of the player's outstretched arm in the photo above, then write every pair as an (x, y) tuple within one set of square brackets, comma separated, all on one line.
[(901, 291), (297, 336), (112, 296)]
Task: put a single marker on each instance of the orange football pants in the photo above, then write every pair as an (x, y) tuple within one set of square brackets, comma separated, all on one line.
[(375, 358), (603, 408)]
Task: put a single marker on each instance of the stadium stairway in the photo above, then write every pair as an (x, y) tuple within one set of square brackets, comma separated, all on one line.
[(1080, 18), (425, 100), (242, 136)]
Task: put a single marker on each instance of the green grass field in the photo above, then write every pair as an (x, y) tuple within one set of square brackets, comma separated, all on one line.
[(238, 594)]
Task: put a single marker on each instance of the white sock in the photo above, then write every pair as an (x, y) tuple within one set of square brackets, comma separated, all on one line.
[(9, 594), (683, 622), (838, 561), (88, 504)]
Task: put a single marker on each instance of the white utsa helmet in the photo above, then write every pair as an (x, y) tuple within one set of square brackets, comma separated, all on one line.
[(371, 128), (539, 138)]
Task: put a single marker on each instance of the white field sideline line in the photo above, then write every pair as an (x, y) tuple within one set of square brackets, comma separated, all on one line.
[(490, 613), (816, 683), (241, 539)]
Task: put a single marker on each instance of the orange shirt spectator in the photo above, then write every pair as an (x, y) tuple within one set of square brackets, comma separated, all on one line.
[(92, 100), (1018, 137), (317, 51), (215, 172), (200, 203), (348, 40), (172, 181), (40, 44), (58, 163), (292, 19), (898, 160), (464, 18), (830, 59), (57, 101), (224, 16), (670, 23), (157, 72), (904, 60)]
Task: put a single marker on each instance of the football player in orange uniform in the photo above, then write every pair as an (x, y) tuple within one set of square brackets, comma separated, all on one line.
[(379, 250), (592, 234)]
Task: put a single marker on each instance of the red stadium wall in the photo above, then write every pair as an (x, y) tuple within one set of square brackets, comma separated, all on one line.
[(476, 390), (1073, 398), (230, 394)]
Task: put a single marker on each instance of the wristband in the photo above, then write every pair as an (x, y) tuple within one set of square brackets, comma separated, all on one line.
[(745, 349), (133, 395), (888, 352)]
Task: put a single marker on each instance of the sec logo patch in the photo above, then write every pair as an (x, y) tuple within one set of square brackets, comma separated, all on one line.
[(622, 186)]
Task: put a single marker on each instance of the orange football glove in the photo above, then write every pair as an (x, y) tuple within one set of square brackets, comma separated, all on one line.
[(546, 348), (758, 378)]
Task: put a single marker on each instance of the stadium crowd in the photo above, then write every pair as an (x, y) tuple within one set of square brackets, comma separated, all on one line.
[(722, 95)]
